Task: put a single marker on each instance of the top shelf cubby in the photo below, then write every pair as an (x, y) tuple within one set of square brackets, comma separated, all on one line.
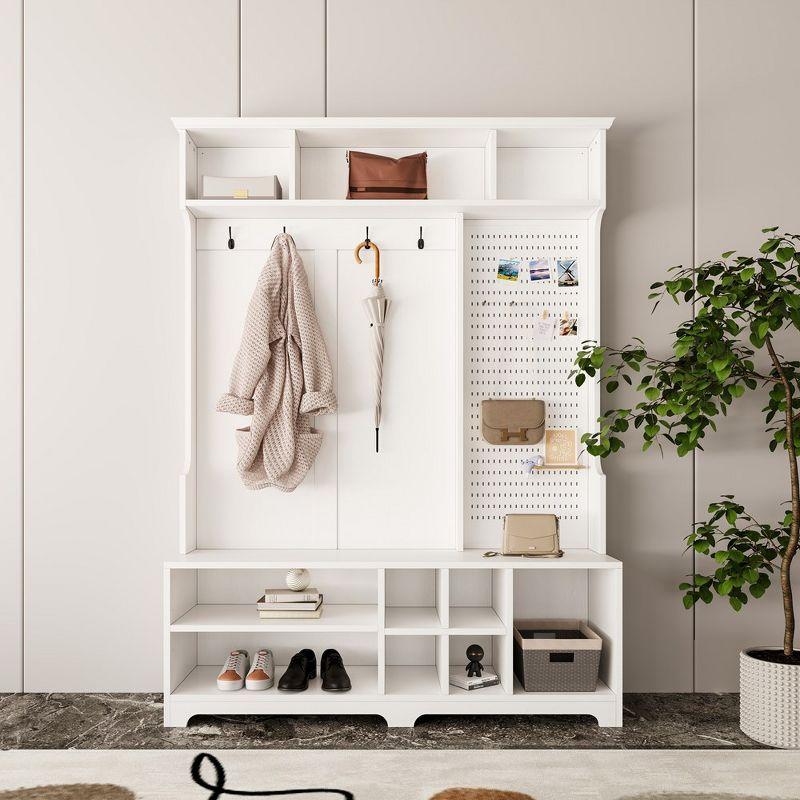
[(473, 164)]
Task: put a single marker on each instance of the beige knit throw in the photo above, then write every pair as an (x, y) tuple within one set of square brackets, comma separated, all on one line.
[(282, 376)]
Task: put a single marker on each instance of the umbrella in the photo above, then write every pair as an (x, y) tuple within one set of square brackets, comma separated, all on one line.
[(375, 307)]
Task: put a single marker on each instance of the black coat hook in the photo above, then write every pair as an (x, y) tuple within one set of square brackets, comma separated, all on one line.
[(366, 239), (231, 243), (420, 241), (284, 229)]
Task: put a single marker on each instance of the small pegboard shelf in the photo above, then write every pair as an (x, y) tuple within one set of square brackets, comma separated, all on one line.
[(550, 467)]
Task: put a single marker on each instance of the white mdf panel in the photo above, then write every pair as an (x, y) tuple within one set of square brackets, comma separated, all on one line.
[(476, 620), (503, 361), (201, 684), (410, 587), (452, 171), (341, 208), (244, 618), (605, 617), (383, 501), (229, 515), (394, 561), (245, 162), (411, 681), (533, 173), (325, 234), (358, 649), (471, 587), (411, 620), (549, 595), (410, 651), (182, 658)]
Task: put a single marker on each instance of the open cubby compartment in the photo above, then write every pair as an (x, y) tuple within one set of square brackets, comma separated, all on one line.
[(223, 152), (416, 601), (197, 659), (594, 595), (225, 600), (551, 165), (480, 601), (416, 666), (458, 159), (497, 655)]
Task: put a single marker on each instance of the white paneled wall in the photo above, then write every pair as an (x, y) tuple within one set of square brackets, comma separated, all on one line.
[(103, 430), (11, 346), (103, 324), (283, 58)]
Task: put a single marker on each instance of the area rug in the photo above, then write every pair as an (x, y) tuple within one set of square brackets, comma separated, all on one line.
[(392, 775)]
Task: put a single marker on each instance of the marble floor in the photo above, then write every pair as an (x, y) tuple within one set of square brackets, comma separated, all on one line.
[(57, 721)]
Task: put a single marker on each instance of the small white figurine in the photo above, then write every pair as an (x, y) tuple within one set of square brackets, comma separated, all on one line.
[(298, 579)]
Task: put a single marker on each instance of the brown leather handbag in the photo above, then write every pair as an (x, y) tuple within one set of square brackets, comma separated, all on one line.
[(374, 177)]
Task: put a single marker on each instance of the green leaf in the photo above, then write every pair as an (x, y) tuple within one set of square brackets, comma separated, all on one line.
[(784, 254), (747, 273), (769, 245), (688, 601), (580, 378), (651, 393), (728, 254), (736, 603), (769, 230)]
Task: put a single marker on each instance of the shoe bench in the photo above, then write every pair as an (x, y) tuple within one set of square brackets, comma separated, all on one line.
[(434, 498), (401, 620)]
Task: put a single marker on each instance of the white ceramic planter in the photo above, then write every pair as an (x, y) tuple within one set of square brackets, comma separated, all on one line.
[(769, 704)]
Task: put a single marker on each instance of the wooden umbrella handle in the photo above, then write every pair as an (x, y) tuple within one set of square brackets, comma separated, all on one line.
[(370, 245)]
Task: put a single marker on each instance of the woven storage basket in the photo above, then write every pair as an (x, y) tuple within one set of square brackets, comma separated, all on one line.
[(769, 704), (556, 665)]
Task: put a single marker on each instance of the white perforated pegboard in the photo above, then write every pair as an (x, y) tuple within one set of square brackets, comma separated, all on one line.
[(503, 360)]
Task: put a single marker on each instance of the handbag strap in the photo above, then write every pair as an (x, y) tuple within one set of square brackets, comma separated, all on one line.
[(493, 553)]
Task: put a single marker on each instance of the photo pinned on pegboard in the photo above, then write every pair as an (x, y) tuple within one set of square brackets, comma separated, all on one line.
[(508, 269), (567, 272)]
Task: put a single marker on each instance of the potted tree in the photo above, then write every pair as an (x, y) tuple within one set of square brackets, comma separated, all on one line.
[(740, 304)]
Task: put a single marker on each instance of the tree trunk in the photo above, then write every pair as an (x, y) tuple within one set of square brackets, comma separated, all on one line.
[(794, 531)]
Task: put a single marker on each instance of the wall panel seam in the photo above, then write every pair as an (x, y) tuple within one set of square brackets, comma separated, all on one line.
[(22, 348)]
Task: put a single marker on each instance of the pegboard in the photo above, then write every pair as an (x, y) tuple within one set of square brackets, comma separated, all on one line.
[(503, 360)]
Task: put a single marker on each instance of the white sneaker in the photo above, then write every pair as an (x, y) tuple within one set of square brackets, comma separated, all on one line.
[(233, 671), (262, 673)]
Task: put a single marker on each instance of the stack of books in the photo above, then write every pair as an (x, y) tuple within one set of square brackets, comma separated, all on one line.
[(458, 677), (286, 604)]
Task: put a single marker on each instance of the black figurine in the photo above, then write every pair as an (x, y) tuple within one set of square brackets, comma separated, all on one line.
[(474, 654)]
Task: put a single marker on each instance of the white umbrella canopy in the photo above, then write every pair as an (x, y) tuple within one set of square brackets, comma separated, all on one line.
[(375, 307)]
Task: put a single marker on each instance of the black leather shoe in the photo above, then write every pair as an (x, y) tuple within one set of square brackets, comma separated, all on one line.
[(334, 675), (302, 668)]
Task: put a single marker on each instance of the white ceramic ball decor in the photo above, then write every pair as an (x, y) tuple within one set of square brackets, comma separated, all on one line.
[(298, 579)]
